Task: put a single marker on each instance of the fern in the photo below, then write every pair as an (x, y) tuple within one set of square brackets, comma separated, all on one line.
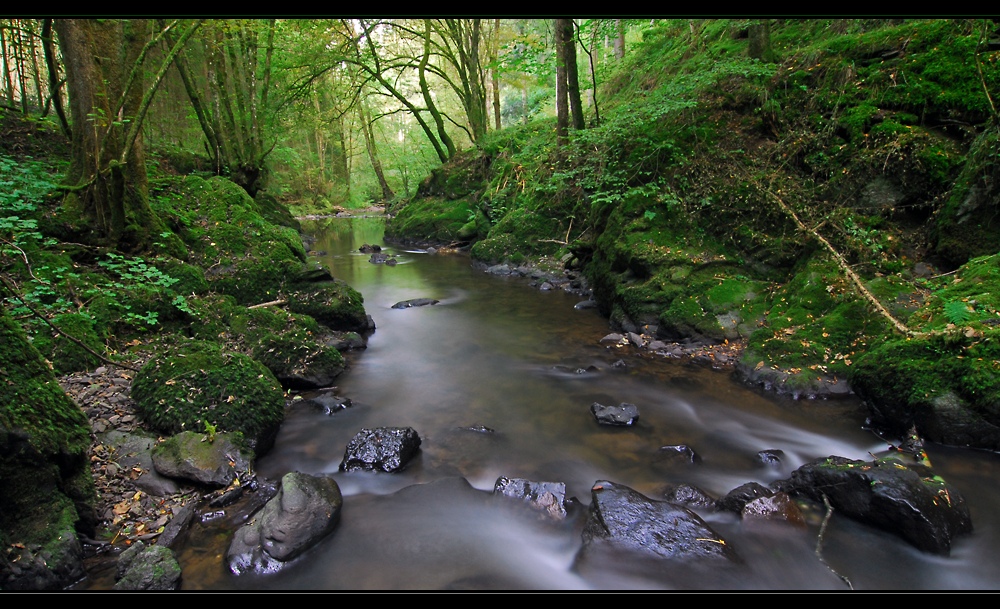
[(957, 311)]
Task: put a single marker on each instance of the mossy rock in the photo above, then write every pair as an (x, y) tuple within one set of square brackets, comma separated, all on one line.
[(432, 219), (334, 304), (293, 347), (245, 255), (190, 278), (275, 212), (946, 384), (46, 489), (196, 384)]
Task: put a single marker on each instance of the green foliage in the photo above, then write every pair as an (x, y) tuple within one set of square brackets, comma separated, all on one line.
[(957, 312)]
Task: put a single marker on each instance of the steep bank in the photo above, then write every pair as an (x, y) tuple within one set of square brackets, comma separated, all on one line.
[(821, 202)]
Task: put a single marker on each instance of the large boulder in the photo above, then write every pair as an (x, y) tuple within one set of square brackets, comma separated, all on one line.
[(213, 461), (891, 493), (386, 449), (305, 510), (197, 386), (623, 519)]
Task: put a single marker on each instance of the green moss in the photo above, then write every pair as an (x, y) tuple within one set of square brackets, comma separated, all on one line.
[(65, 355), (334, 304), (45, 484), (196, 382), (433, 219)]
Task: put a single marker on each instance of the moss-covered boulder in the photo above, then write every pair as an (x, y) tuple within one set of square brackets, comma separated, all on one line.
[(296, 348), (945, 385), (945, 381), (46, 488), (245, 255), (334, 304), (433, 220), (816, 327), (198, 386), (967, 225)]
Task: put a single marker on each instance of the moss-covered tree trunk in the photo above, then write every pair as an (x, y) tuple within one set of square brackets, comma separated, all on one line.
[(108, 172)]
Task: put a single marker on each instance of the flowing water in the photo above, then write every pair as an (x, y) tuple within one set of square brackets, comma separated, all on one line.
[(498, 353)]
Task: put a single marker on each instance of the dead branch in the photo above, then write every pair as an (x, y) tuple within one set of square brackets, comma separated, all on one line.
[(845, 267), (267, 304), (819, 542)]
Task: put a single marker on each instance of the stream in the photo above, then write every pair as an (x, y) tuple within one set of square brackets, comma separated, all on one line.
[(498, 353)]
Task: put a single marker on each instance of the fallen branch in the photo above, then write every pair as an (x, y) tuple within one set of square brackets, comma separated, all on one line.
[(845, 267), (819, 542), (267, 304)]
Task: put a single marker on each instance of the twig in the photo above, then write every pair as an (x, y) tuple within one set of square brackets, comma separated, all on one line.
[(819, 542), (51, 325)]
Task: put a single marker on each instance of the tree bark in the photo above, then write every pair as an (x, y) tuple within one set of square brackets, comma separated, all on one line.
[(562, 98), (572, 74), (759, 46), (619, 40), (54, 85), (366, 129), (107, 172)]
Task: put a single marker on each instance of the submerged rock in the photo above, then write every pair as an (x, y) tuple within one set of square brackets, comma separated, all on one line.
[(624, 519), (415, 302), (623, 415), (549, 497)]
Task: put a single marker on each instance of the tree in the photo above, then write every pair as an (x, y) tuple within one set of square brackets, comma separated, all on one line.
[(229, 95), (104, 71), (567, 81)]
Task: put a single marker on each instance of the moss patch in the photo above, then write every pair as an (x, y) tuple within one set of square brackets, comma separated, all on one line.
[(197, 382)]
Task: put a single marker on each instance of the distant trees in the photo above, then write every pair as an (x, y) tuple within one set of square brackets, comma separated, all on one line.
[(229, 87)]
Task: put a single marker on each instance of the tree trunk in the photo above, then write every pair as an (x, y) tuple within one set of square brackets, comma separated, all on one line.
[(494, 74), (107, 171), (759, 46), (562, 99), (366, 129), (572, 74), (54, 86), (619, 39)]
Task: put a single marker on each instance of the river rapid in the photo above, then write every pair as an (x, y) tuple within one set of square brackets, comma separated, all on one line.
[(498, 353)]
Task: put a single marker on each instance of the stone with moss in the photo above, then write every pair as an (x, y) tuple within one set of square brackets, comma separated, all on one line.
[(431, 220), (245, 255), (211, 459), (46, 489), (334, 304), (197, 383)]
